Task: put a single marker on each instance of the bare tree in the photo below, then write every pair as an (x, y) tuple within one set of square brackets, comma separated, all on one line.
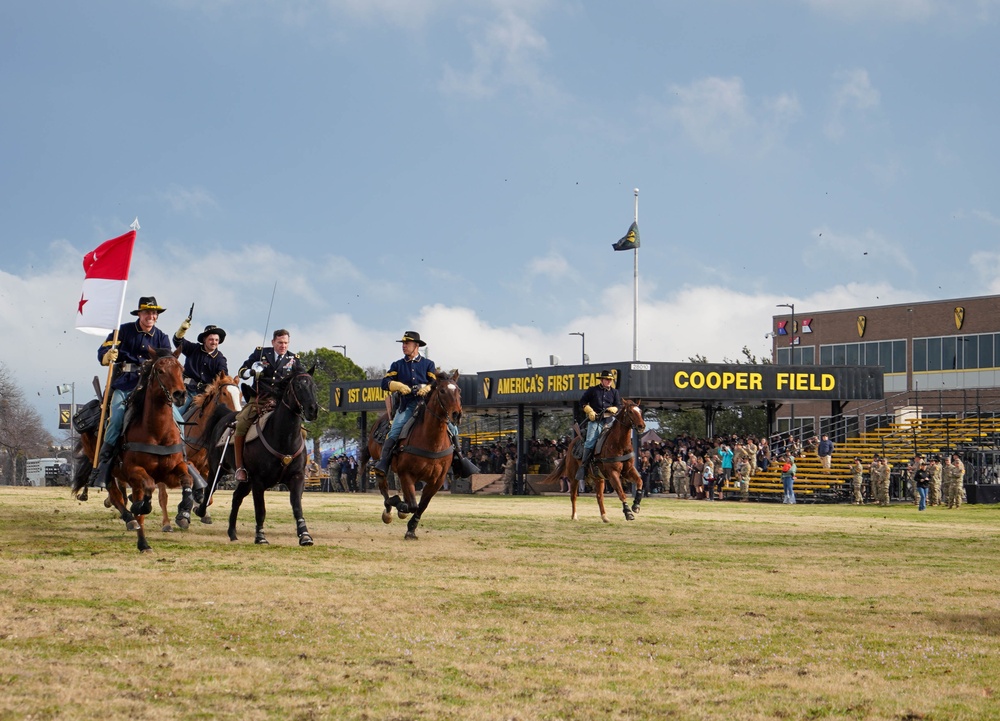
[(22, 434)]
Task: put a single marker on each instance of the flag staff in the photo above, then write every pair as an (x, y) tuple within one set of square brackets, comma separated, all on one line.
[(111, 366), (635, 286)]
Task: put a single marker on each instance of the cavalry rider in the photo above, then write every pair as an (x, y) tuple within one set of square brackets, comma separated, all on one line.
[(267, 367), (602, 399), (203, 361), (411, 376), (137, 342)]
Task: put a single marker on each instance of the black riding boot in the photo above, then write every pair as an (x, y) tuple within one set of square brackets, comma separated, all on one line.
[(581, 473), (461, 466), (100, 476), (382, 467)]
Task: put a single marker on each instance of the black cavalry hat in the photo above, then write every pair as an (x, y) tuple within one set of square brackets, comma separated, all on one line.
[(148, 302), (209, 330), (412, 335), (606, 374)]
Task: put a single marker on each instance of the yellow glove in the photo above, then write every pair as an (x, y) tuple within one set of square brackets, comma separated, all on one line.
[(397, 386), (591, 415), (183, 329), (612, 410), (110, 357), (424, 390)]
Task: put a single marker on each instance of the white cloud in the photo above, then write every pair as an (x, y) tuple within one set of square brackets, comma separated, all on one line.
[(552, 265), (853, 96), (719, 117), (870, 247), (507, 52), (189, 201)]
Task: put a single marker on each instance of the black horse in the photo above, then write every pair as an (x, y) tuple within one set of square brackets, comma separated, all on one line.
[(276, 455)]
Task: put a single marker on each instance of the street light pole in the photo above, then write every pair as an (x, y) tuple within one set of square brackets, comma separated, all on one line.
[(791, 357), (583, 346), (342, 347)]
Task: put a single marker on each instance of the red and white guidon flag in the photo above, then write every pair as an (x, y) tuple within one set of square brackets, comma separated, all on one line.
[(100, 308)]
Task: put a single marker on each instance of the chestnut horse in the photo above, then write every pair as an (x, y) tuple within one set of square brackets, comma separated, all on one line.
[(219, 398), (152, 451), (615, 460), (425, 454), (276, 455)]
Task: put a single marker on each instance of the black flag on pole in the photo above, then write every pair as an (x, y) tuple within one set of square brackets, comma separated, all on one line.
[(631, 239)]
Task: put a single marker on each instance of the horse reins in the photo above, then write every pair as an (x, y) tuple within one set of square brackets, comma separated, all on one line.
[(284, 457)]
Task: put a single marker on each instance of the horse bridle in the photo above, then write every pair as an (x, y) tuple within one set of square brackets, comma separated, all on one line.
[(444, 409), (153, 371), (291, 384)]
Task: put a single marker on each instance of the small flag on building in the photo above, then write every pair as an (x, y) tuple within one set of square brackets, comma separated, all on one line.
[(106, 267), (631, 239)]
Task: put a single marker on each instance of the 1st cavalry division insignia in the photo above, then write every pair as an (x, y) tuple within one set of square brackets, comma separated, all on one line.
[(486, 387), (337, 395), (959, 317), (862, 321)]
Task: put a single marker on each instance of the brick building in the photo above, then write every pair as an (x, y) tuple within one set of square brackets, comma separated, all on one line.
[(940, 358)]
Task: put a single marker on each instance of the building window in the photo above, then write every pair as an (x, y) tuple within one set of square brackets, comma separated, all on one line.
[(890, 354), (797, 356), (969, 352)]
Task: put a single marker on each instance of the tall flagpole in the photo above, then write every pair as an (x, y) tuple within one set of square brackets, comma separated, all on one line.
[(635, 287)]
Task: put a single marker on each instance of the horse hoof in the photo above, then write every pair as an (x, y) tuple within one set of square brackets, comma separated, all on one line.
[(410, 536), (183, 523), (83, 495), (635, 507), (167, 528), (232, 536), (207, 520), (147, 549), (402, 516), (132, 526), (386, 516), (261, 541), (604, 518), (305, 540), (107, 501), (629, 516)]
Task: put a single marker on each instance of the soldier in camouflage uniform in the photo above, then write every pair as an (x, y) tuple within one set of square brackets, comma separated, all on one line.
[(935, 492), (679, 476), (880, 481), (857, 480), (743, 476)]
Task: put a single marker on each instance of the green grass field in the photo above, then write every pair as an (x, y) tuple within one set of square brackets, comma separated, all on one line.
[(503, 609)]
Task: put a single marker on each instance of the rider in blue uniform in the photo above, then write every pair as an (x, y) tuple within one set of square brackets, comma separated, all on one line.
[(203, 361), (137, 343), (411, 376), (597, 401)]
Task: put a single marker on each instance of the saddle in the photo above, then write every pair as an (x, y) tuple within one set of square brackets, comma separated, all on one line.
[(381, 430), (601, 438)]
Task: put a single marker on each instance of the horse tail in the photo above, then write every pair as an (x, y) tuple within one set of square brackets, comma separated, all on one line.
[(81, 469), (558, 472)]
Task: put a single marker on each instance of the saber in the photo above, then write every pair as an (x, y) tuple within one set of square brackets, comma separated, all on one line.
[(267, 323), (215, 480)]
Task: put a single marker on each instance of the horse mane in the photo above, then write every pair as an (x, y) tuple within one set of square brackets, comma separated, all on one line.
[(137, 400), (212, 388)]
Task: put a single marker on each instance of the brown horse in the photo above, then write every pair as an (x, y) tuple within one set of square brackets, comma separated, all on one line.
[(219, 398), (425, 454), (152, 451), (615, 461)]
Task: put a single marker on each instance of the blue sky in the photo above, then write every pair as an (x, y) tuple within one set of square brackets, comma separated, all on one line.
[(462, 168)]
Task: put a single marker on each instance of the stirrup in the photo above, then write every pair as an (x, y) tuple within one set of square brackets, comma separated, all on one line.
[(241, 471)]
